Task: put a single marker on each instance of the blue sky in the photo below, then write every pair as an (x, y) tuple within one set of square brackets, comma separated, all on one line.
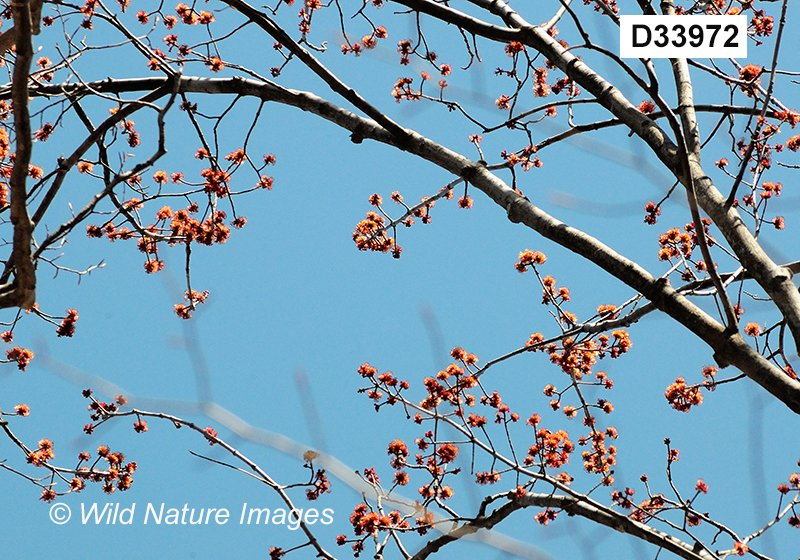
[(291, 296)]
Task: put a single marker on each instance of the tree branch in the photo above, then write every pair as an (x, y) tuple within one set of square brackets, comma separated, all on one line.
[(573, 506), (21, 291), (729, 348), (775, 280)]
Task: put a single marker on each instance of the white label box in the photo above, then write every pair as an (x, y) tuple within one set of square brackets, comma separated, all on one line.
[(686, 36)]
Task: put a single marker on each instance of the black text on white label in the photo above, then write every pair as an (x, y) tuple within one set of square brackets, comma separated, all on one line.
[(683, 36)]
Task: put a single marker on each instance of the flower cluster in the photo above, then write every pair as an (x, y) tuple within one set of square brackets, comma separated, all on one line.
[(43, 454), (211, 230), (546, 516), (402, 90), (557, 296), (551, 448), (683, 397), (319, 485), (177, 226), (653, 212), (22, 356), (565, 84), (761, 25), (677, 244), (117, 475), (599, 459), (399, 452), (126, 127), (522, 158), (437, 462), (529, 258), (185, 311), (514, 48), (577, 358), (750, 74), (623, 499), (370, 234), (100, 409), (367, 42), (646, 107), (367, 522), (540, 87), (648, 509), (67, 326)]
